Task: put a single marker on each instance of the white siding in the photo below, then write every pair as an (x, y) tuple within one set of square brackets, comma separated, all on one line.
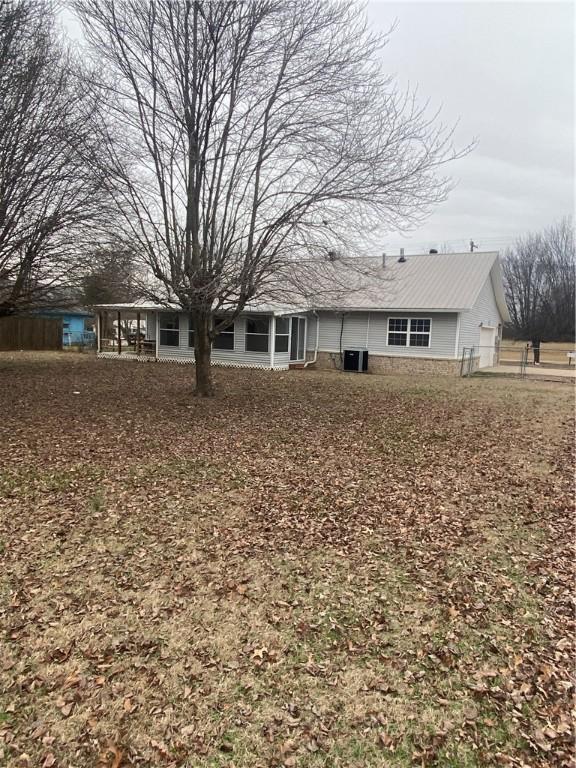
[(281, 359), (329, 331), (236, 356), (485, 311), (311, 333), (369, 330)]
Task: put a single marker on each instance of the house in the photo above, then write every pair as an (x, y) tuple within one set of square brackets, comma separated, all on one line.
[(413, 314), (77, 324)]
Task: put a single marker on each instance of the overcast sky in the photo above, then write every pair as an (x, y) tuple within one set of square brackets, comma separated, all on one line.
[(506, 71)]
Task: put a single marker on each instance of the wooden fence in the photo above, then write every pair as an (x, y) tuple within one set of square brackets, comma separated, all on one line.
[(30, 333)]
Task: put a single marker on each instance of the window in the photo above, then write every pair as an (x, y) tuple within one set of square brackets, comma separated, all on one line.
[(403, 332), (282, 334), (419, 333), (169, 329), (397, 332), (225, 339), (257, 330), (190, 331)]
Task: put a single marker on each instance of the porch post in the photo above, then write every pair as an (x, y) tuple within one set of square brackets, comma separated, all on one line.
[(157, 335), (137, 333), (119, 333), (99, 332), (272, 339)]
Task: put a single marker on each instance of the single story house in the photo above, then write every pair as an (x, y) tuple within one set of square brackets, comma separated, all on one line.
[(419, 313)]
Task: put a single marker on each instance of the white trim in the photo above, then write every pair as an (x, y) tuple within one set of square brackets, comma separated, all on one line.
[(231, 329), (157, 335), (299, 359), (247, 334), (180, 316), (315, 357), (456, 348), (272, 334), (368, 329), (408, 332), (397, 311), (287, 335)]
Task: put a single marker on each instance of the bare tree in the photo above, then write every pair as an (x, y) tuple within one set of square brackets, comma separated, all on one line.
[(539, 281), (111, 277), (247, 135), (559, 293), (48, 190)]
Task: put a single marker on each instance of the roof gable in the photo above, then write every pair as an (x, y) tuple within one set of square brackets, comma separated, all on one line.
[(428, 282)]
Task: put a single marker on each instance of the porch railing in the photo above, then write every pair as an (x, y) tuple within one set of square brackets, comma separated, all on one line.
[(143, 347)]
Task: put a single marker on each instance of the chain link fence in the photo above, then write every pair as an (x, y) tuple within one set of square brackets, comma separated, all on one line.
[(520, 360)]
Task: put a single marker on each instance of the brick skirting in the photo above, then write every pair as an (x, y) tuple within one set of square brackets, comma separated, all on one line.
[(385, 364)]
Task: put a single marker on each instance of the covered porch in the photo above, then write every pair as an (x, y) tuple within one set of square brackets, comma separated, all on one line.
[(128, 332), (267, 337)]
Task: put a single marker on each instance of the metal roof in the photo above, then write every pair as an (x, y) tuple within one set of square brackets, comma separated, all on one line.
[(432, 282), (438, 282), (256, 307)]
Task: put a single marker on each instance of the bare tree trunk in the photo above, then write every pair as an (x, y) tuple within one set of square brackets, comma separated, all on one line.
[(202, 355)]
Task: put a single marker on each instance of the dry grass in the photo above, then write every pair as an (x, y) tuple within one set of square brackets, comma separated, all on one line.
[(312, 569), (551, 353)]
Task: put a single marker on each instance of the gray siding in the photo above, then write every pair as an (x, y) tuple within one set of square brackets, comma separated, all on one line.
[(236, 356), (281, 359), (150, 325), (484, 311), (370, 330), (311, 333)]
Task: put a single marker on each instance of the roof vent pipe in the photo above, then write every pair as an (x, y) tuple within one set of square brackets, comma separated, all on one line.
[(383, 259), (402, 258)]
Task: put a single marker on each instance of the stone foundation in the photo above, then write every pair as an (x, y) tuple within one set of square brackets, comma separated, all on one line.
[(399, 365)]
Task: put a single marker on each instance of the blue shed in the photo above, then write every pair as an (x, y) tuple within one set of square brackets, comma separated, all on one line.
[(77, 325)]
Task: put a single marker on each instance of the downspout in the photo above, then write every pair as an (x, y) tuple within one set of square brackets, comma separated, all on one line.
[(315, 358), (341, 334)]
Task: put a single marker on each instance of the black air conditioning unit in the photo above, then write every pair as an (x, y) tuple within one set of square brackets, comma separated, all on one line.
[(356, 360)]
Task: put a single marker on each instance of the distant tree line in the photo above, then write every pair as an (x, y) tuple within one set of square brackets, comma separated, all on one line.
[(540, 284)]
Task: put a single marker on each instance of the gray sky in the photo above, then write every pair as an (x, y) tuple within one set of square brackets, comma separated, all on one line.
[(506, 71)]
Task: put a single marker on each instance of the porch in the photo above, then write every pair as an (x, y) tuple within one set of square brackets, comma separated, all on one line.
[(126, 333), (274, 341)]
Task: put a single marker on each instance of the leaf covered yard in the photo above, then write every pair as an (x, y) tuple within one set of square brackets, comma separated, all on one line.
[(311, 569)]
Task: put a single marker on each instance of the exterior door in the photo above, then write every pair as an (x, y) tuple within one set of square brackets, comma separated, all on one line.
[(487, 347), (297, 338)]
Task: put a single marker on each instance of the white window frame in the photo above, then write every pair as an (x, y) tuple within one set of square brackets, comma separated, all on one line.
[(228, 332), (288, 320), (248, 335), (162, 315), (409, 331), (298, 359)]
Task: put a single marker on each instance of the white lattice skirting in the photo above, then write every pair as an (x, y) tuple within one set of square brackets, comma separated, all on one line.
[(189, 361)]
